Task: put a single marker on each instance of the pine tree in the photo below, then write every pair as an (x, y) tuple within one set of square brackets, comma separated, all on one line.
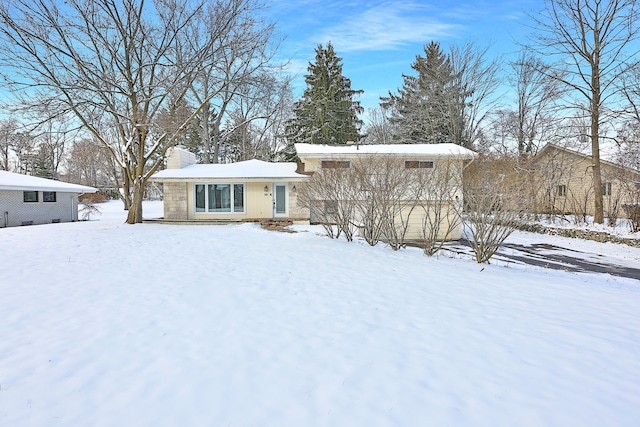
[(429, 107), (327, 113)]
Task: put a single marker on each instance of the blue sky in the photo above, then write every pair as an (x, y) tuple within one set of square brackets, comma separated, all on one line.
[(378, 40)]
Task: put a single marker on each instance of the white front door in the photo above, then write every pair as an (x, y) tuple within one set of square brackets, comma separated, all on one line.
[(279, 199)]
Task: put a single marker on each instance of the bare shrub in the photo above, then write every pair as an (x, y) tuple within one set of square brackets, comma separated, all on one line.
[(494, 204), (441, 187), (385, 200), (88, 210), (328, 196)]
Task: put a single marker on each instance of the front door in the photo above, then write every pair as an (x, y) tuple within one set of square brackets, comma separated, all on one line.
[(279, 199)]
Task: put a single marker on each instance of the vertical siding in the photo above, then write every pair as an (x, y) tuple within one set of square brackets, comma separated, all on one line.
[(13, 209)]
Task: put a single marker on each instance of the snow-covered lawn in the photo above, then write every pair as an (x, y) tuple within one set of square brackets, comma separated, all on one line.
[(107, 324)]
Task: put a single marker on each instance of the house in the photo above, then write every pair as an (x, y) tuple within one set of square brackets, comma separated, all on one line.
[(434, 195), (564, 182), (27, 200), (251, 190)]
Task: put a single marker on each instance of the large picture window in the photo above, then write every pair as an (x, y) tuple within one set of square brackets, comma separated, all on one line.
[(219, 198)]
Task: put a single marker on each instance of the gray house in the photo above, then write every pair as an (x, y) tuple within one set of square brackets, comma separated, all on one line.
[(27, 200)]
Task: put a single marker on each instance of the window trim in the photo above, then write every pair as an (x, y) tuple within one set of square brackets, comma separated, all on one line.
[(419, 164), (232, 200), (24, 197), (44, 197), (335, 164)]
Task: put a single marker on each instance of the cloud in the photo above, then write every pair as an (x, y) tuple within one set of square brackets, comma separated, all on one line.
[(387, 26)]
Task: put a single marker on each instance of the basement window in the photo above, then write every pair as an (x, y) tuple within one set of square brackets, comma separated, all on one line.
[(561, 190), (49, 196), (418, 164), (30, 196)]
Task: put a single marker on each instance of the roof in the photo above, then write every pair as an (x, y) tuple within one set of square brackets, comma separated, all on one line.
[(20, 182), (609, 154), (422, 150), (248, 169)]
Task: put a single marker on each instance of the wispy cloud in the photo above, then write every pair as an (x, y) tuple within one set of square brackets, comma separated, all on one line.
[(386, 26)]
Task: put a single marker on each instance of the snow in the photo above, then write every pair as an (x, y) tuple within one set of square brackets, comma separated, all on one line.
[(16, 181), (432, 150), (248, 169), (104, 324)]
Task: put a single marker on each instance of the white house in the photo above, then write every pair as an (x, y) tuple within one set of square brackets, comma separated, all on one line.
[(28, 200)]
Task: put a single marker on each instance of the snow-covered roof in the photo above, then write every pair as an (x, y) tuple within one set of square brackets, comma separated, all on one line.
[(17, 181), (248, 169), (422, 150)]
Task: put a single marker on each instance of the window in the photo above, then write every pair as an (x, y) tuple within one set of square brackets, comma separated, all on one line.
[(30, 196), (330, 207), (418, 164), (49, 196), (606, 188), (561, 190), (336, 164), (219, 198)]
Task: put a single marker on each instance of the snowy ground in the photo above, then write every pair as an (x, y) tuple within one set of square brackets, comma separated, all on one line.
[(105, 324)]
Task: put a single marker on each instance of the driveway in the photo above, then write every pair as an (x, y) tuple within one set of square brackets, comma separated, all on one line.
[(554, 257)]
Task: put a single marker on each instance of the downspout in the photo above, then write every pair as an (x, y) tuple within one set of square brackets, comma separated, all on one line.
[(6, 219)]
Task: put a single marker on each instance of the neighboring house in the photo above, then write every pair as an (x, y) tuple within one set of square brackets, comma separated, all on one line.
[(28, 200), (251, 190), (564, 182), (440, 165)]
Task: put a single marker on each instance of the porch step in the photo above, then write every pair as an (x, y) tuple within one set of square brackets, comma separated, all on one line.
[(277, 225)]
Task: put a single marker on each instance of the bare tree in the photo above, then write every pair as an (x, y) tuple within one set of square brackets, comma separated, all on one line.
[(114, 65), (242, 56), (594, 40), (479, 79), (379, 129)]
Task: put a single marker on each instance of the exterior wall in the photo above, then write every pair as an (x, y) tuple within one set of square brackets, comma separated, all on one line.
[(175, 200), (452, 193), (14, 211), (555, 167), (179, 202)]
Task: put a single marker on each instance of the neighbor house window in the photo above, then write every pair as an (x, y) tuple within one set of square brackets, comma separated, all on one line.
[(336, 164), (48, 196), (219, 198), (418, 164), (606, 189), (561, 190), (30, 196)]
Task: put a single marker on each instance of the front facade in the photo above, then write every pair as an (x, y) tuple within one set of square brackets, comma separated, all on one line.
[(252, 190), (439, 165), (29, 200), (564, 183)]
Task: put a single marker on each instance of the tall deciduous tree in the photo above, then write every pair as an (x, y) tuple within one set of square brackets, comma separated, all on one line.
[(593, 39), (116, 66), (327, 112)]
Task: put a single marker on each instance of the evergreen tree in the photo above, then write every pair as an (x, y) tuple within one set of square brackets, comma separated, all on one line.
[(429, 108), (327, 113)]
